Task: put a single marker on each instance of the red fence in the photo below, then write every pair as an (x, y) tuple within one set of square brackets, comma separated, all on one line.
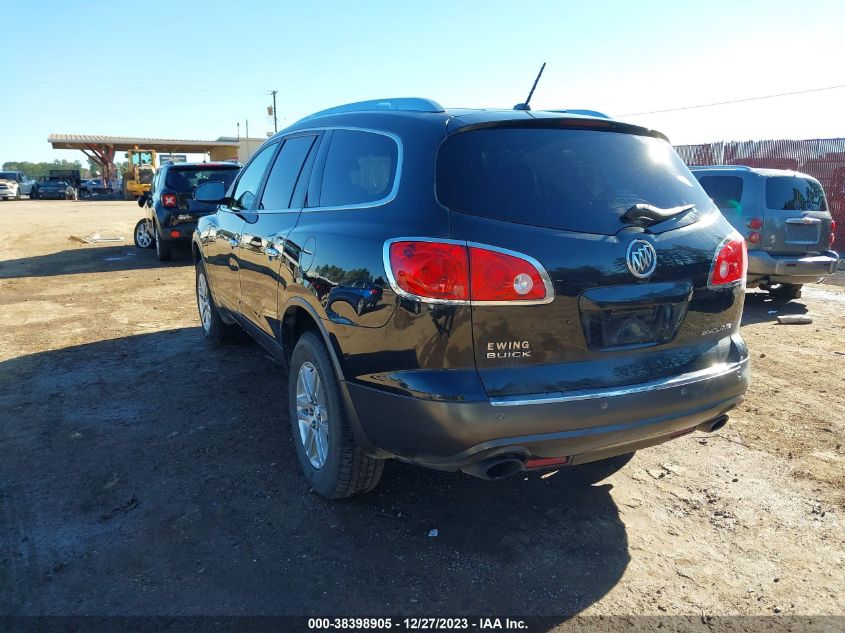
[(823, 159)]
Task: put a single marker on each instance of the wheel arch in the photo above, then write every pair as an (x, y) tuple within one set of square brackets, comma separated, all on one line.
[(300, 317)]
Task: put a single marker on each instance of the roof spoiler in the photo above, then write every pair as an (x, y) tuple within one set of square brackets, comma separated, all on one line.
[(595, 113)]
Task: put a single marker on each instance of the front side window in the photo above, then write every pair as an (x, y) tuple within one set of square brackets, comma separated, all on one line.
[(725, 191), (360, 168), (794, 193), (246, 189), (285, 172)]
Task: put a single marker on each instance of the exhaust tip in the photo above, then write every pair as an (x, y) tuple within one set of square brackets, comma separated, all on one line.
[(713, 425), (495, 468), (505, 468)]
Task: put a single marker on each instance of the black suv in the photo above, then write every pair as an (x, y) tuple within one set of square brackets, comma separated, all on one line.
[(549, 288), (172, 212)]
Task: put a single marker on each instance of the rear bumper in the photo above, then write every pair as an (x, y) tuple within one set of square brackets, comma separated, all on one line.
[(583, 426), (186, 232), (790, 269)]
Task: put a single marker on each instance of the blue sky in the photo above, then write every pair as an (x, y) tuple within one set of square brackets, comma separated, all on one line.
[(194, 69)]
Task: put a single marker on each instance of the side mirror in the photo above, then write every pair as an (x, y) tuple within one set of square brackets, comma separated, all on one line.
[(210, 192), (142, 199)]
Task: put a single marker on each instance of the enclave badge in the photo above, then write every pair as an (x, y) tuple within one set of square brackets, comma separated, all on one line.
[(641, 258)]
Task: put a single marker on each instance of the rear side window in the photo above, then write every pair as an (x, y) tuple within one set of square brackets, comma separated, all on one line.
[(186, 180), (793, 193), (360, 168), (725, 191), (573, 179)]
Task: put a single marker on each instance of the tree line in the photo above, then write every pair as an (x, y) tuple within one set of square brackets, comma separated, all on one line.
[(39, 170)]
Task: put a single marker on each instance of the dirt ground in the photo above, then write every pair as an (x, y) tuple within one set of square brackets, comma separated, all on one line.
[(143, 471)]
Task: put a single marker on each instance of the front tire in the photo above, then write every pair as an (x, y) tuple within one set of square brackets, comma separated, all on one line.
[(331, 461), (213, 326), (143, 236)]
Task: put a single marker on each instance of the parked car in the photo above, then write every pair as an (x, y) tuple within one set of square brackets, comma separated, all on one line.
[(13, 185), (361, 295), (54, 189), (784, 218), (92, 186), (556, 288), (171, 211)]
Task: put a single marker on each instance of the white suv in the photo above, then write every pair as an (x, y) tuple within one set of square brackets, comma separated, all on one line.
[(13, 184)]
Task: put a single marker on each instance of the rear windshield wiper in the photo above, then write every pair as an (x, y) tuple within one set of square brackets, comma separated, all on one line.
[(646, 214)]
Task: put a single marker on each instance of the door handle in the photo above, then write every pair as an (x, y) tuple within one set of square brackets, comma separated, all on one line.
[(233, 242)]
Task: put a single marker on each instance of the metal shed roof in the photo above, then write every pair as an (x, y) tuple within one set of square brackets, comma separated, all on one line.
[(123, 143)]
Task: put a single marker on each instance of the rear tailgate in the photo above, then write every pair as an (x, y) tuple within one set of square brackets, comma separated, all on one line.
[(558, 196), (796, 216)]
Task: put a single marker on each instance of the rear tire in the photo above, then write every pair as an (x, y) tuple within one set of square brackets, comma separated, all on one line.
[(213, 326), (331, 461), (164, 251)]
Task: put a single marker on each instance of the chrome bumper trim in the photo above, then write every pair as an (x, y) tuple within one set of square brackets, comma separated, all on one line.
[(716, 371)]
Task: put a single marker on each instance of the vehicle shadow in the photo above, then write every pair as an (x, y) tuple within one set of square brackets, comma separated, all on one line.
[(167, 483), (89, 259), (760, 307)]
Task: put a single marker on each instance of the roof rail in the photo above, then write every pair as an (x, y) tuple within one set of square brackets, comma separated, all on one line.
[(601, 115), (404, 104)]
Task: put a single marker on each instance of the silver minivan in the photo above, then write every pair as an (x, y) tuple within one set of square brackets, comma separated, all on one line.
[(784, 218)]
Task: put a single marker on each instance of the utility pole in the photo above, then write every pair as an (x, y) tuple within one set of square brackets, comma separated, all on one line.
[(275, 120)]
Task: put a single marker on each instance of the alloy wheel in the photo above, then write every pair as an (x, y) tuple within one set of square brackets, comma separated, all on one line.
[(142, 235), (204, 302), (312, 415)]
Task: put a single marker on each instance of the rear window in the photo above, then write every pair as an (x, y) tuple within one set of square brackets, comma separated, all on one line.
[(725, 191), (580, 180), (360, 168), (186, 180), (794, 193)]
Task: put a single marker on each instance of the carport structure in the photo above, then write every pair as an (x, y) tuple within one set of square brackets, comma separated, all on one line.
[(102, 149)]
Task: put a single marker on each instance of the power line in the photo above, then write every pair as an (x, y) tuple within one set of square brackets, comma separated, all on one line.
[(719, 103)]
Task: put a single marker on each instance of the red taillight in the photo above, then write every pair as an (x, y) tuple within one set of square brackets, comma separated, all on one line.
[(431, 270), (832, 235), (175, 233), (498, 276), (756, 223), (457, 272), (754, 237), (168, 199), (730, 263)]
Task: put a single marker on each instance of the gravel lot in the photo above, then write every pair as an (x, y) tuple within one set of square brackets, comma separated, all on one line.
[(143, 471)]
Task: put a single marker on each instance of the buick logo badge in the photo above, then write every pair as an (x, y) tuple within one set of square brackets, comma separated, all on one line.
[(641, 259)]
